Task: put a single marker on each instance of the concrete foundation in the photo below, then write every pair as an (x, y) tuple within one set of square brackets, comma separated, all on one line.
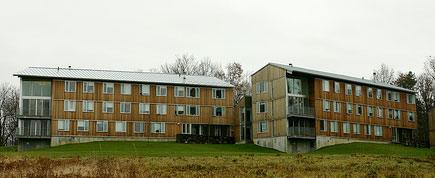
[(277, 143), (324, 141), (287, 145), (32, 143), (62, 140)]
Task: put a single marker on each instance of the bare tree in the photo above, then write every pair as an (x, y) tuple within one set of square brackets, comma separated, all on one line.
[(236, 77), (385, 74), (9, 103), (430, 66)]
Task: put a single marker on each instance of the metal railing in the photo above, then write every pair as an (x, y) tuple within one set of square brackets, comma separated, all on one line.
[(302, 131), (301, 110), (33, 112)]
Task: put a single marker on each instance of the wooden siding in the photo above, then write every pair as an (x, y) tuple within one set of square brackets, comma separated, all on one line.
[(173, 122)]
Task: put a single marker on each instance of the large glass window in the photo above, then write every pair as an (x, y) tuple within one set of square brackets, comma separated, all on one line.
[(36, 107), (36, 88)]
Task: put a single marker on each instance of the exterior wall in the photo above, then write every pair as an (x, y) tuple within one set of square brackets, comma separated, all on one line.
[(237, 125), (432, 129), (62, 140), (30, 144), (324, 141), (277, 143), (173, 122)]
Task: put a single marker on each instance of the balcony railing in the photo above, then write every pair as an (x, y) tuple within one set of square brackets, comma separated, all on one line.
[(301, 111), (34, 128), (302, 131), (27, 112)]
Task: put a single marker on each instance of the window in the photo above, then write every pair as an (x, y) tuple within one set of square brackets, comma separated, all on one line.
[(346, 127), (368, 129), (121, 126), (144, 90), (379, 94), (411, 116), (262, 107), (218, 93), (70, 86), (161, 109), (359, 109), (337, 107), (397, 114), (139, 127), (262, 126), (370, 111), (261, 87), (125, 89), (325, 84), (192, 110), (349, 108), (294, 86), (378, 131), (102, 126), (323, 125), (356, 128), (410, 99), (161, 90), (179, 91), (369, 92), (107, 107), (390, 113), (158, 127), (358, 91), (179, 109), (88, 87), (337, 87), (192, 92), (144, 108), (334, 126), (82, 125), (219, 111), (125, 107), (69, 105), (187, 128), (88, 106), (36, 88), (108, 88), (389, 96), (348, 89), (396, 96), (63, 125), (379, 112), (326, 106)]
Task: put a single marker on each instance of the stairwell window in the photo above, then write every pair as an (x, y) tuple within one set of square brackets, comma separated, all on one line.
[(161, 109), (192, 92), (187, 128), (179, 91), (108, 88), (158, 127), (323, 125), (179, 109), (88, 87), (88, 106), (192, 110), (396, 114), (346, 127), (102, 126), (70, 86), (218, 93), (82, 125), (358, 91), (219, 111), (349, 108), (337, 107), (411, 116), (379, 112), (359, 109), (262, 126), (378, 131), (63, 125), (144, 108), (370, 111), (369, 92), (356, 128), (410, 99), (348, 88), (334, 126), (368, 129), (107, 107), (379, 94), (126, 108), (69, 105), (261, 87), (120, 126), (144, 90), (337, 87), (161, 90), (262, 107), (125, 89), (326, 105), (139, 127), (396, 96), (325, 85)]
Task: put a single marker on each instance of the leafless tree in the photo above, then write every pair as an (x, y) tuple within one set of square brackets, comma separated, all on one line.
[(9, 103), (426, 89), (430, 66), (385, 74)]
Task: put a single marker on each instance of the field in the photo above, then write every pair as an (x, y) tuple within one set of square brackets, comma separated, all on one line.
[(140, 159)]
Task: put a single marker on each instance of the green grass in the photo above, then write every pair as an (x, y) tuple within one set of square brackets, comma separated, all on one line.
[(9, 149), (374, 149)]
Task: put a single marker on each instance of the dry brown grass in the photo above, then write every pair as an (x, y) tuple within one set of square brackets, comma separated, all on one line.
[(232, 166)]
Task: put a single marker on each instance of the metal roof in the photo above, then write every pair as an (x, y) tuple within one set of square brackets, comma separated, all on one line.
[(122, 76), (339, 77)]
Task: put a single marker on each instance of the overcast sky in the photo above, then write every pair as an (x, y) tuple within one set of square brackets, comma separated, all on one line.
[(341, 36)]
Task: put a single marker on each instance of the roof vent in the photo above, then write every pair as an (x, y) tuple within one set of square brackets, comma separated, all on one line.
[(290, 64), (69, 67)]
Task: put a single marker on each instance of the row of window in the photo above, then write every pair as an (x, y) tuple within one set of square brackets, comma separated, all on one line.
[(346, 128), (103, 126), (144, 90), (144, 108), (391, 113), (390, 95)]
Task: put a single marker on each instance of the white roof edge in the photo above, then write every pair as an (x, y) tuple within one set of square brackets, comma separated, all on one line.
[(339, 77)]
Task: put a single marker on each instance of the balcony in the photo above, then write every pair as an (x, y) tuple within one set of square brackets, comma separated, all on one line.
[(306, 111), (302, 132), (33, 112), (34, 129)]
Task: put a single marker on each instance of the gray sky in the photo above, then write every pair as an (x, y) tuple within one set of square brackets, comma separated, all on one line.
[(341, 36)]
